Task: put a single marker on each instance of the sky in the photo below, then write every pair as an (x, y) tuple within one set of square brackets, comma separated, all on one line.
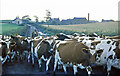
[(63, 9)]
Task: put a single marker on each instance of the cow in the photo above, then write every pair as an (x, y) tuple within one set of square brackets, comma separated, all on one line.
[(73, 53), (4, 50), (44, 50), (109, 55), (114, 59), (41, 48), (20, 47)]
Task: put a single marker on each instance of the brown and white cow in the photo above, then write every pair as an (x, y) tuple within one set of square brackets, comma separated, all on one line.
[(41, 48), (73, 53)]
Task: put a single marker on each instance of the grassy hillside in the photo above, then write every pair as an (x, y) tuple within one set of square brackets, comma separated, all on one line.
[(8, 29), (107, 28)]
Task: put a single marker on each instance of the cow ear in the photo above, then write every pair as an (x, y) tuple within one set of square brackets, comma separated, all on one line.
[(100, 51), (84, 50)]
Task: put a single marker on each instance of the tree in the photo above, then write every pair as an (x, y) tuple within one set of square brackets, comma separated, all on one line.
[(36, 18), (48, 17), (26, 17)]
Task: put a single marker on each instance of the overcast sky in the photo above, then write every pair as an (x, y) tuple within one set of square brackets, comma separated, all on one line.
[(64, 9)]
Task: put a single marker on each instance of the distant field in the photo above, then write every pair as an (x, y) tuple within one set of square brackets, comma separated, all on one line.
[(107, 28), (7, 28), (5, 21)]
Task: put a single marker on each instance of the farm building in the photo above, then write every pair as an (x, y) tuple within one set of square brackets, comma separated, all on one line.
[(75, 20), (107, 20), (17, 20), (55, 21)]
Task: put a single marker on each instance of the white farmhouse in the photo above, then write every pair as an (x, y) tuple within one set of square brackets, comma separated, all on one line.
[(17, 20)]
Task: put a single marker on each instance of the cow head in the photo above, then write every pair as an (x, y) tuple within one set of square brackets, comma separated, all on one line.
[(95, 52), (95, 58), (51, 42), (17, 39), (26, 43)]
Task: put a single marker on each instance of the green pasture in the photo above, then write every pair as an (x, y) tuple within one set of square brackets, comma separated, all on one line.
[(5, 21), (107, 28), (8, 28)]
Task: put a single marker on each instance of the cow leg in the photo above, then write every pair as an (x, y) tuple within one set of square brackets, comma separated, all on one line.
[(56, 59), (55, 64), (75, 69), (1, 58), (32, 53), (48, 61), (39, 62), (21, 56), (44, 58), (32, 58), (12, 56), (18, 56), (59, 66), (108, 67), (29, 57), (4, 59), (89, 70), (64, 68), (8, 58)]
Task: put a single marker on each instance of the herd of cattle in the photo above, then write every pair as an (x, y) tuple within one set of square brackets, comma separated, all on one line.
[(77, 51)]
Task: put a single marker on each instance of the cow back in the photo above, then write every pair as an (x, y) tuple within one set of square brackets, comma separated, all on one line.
[(73, 52)]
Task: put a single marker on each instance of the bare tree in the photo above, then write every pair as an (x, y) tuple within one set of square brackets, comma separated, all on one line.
[(36, 18), (26, 16), (48, 16)]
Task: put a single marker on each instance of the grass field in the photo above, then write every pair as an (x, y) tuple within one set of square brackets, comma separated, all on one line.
[(5, 21), (107, 28), (7, 28)]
